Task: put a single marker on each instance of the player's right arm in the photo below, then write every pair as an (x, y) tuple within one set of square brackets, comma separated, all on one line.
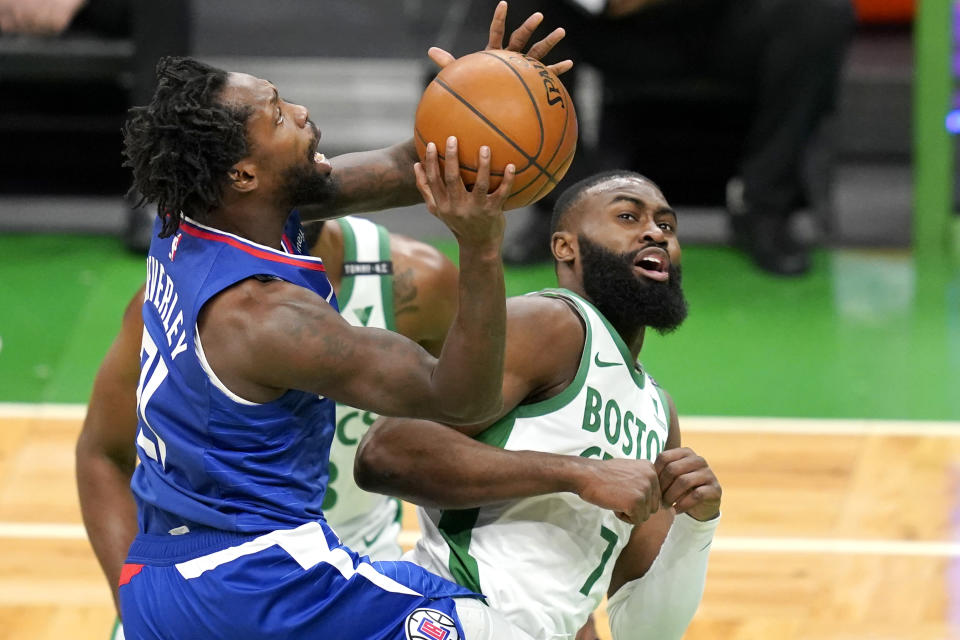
[(106, 453), (262, 338)]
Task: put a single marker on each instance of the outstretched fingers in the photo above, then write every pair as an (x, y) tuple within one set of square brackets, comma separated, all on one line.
[(541, 48), (440, 57), (521, 35), (518, 40), (498, 26)]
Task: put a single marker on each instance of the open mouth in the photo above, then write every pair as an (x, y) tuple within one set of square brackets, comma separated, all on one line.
[(314, 154), (654, 264), (320, 160)]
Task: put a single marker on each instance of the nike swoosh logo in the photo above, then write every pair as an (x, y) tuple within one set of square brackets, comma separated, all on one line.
[(600, 363), (370, 541)]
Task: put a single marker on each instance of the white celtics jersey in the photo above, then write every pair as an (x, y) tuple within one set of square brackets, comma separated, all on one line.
[(366, 522), (546, 561)]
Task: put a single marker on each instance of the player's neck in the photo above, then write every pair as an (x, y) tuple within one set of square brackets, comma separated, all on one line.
[(260, 224), (631, 336)]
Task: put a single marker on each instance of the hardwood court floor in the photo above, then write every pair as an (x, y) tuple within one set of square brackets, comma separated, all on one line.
[(831, 530)]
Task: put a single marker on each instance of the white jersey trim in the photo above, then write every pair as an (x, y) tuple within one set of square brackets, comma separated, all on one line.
[(262, 247), (198, 349)]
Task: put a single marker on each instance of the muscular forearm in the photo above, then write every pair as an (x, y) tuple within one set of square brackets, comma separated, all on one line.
[(395, 446), (469, 372), (661, 604), (370, 181), (109, 512)]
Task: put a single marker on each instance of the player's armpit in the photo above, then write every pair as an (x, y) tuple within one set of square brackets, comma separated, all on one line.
[(673, 437)]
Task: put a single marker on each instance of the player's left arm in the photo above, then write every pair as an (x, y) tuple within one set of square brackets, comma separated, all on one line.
[(424, 292), (369, 181), (658, 579), (106, 453)]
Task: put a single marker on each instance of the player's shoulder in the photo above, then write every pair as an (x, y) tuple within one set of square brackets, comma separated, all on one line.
[(258, 303), (545, 340), (423, 277), (545, 320), (426, 261), (544, 305)]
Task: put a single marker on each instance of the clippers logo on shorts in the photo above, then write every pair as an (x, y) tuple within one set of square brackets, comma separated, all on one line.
[(430, 624)]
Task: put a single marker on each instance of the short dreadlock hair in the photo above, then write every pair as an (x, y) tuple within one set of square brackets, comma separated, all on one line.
[(182, 145)]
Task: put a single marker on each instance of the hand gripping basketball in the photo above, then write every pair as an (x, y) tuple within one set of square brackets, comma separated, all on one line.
[(511, 103)]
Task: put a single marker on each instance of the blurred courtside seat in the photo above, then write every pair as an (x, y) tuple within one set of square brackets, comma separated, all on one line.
[(63, 101), (663, 129)]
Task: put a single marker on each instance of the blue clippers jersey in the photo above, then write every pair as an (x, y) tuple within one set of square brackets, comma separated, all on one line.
[(208, 457)]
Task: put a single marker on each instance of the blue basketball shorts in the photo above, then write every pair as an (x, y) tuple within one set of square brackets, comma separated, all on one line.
[(294, 583)]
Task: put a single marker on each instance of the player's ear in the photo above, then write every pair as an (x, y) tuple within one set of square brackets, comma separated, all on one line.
[(243, 176), (564, 246)]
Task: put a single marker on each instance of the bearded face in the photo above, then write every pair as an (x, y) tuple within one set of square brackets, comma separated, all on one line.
[(302, 185), (626, 298)]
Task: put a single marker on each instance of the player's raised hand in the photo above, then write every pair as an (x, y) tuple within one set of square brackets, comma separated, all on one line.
[(474, 215), (518, 40), (688, 483), (629, 488)]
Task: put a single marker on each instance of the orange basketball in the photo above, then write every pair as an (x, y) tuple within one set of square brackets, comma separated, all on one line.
[(511, 103)]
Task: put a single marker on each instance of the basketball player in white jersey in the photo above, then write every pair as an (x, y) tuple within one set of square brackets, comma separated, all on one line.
[(572, 386)]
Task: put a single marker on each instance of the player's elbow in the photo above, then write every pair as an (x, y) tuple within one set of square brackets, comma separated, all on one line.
[(477, 411), (373, 465)]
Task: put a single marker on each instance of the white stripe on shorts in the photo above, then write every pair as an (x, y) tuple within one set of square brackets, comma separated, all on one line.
[(306, 544)]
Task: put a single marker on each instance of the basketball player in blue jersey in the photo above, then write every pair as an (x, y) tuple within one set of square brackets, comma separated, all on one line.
[(531, 529), (381, 280), (241, 335)]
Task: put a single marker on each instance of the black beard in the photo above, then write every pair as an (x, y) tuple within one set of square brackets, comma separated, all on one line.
[(630, 302), (302, 185)]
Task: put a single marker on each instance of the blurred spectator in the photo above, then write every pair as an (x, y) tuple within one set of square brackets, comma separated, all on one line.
[(71, 68), (779, 58), (53, 17)]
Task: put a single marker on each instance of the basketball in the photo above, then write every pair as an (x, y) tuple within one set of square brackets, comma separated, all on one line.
[(513, 104)]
